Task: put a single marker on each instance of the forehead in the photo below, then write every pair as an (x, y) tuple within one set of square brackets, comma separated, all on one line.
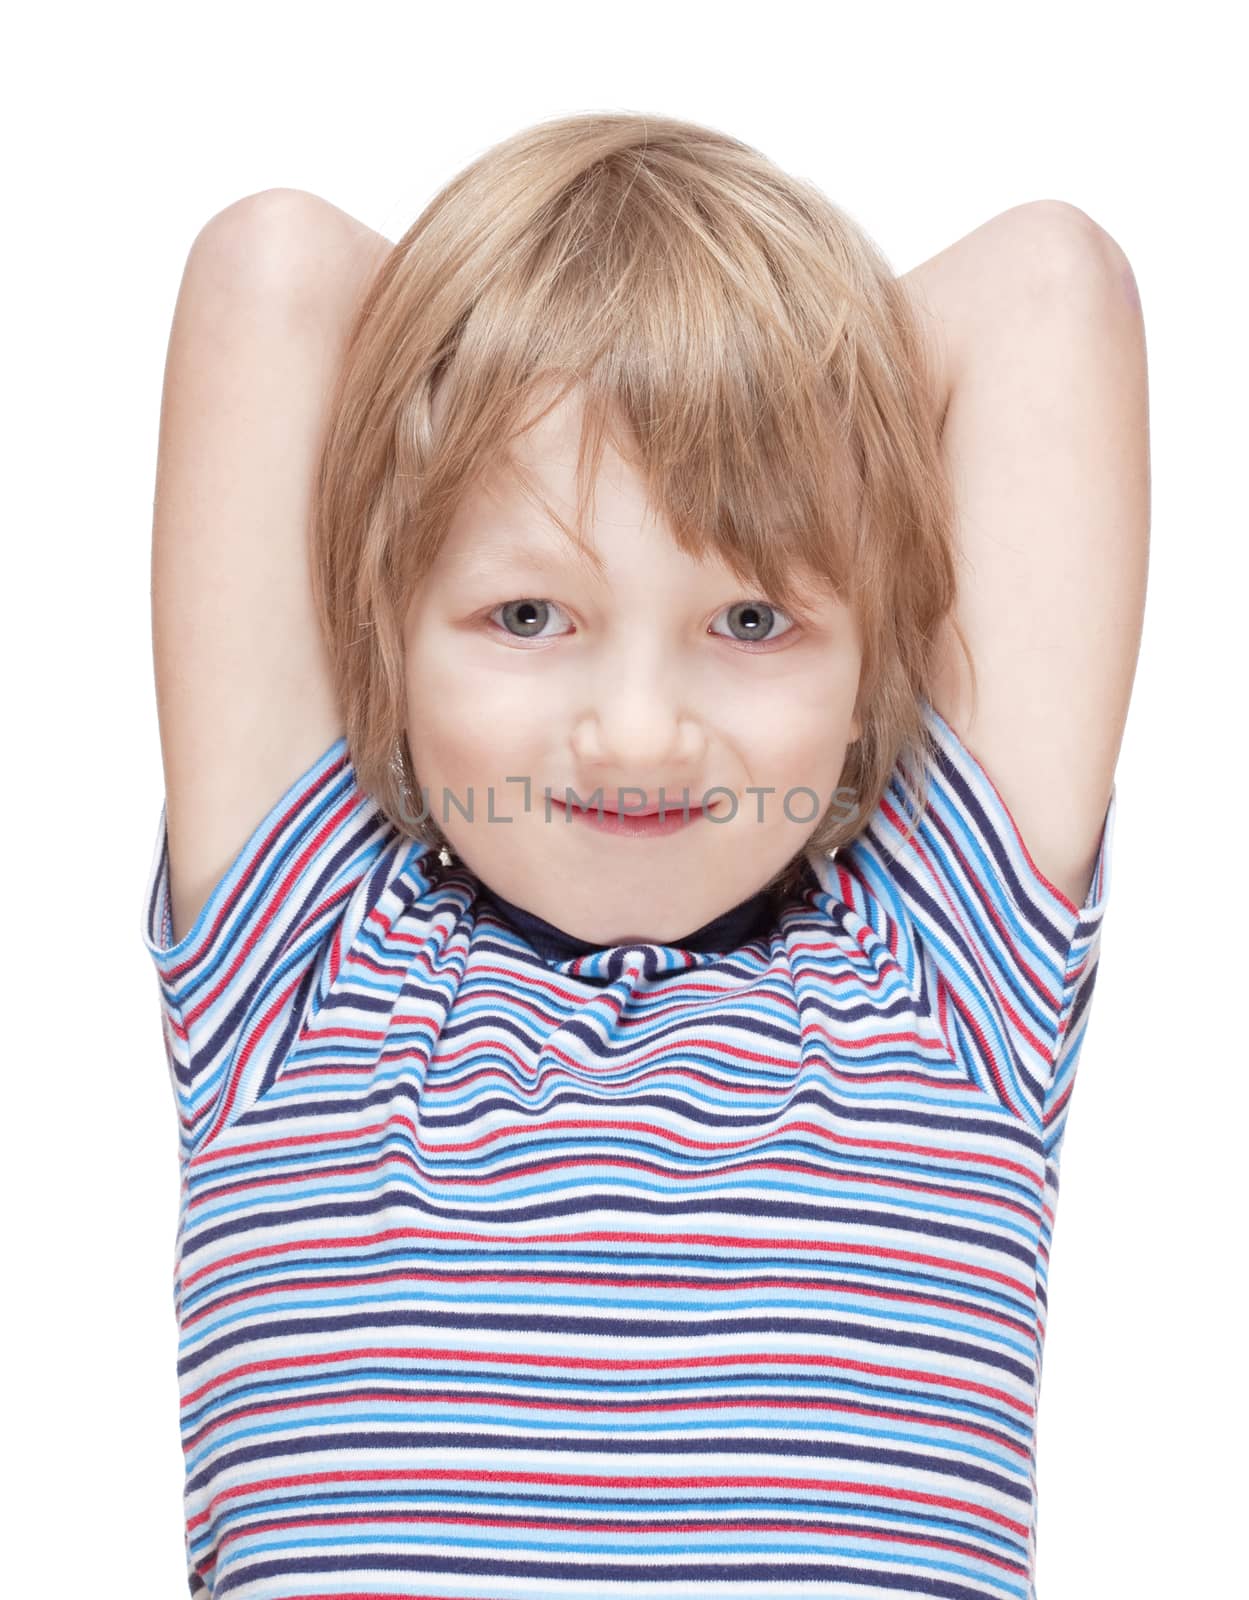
[(510, 518), (512, 510)]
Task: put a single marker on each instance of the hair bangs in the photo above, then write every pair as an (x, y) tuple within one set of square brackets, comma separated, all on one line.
[(677, 330)]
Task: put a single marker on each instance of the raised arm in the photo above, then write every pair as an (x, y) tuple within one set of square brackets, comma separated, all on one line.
[(1036, 328), (243, 689)]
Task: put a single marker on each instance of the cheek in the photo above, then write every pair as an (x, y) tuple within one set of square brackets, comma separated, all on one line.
[(469, 723), (800, 751), (790, 727)]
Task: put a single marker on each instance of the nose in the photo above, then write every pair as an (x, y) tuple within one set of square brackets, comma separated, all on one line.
[(636, 725)]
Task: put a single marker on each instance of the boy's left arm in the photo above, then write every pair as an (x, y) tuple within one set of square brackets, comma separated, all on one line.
[(1035, 327)]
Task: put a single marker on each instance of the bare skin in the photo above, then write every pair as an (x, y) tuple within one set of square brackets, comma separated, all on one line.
[(244, 692), (1046, 441), (1039, 346)]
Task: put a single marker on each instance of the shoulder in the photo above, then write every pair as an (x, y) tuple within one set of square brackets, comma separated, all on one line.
[(945, 880)]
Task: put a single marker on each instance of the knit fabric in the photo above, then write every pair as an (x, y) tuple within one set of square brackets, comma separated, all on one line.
[(507, 1270)]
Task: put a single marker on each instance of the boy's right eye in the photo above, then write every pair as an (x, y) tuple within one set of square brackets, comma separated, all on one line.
[(528, 616)]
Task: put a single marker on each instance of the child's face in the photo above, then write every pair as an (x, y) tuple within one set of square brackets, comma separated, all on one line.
[(649, 678)]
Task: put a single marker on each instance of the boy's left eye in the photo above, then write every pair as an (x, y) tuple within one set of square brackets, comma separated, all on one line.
[(751, 621)]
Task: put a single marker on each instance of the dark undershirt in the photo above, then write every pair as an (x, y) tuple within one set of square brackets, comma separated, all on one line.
[(729, 931)]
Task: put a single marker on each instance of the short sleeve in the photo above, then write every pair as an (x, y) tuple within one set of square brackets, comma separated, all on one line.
[(236, 988), (1002, 956)]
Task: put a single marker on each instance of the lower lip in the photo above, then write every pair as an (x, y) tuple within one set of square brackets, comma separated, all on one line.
[(632, 826)]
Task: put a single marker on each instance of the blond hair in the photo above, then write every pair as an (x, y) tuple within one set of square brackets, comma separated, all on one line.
[(740, 340)]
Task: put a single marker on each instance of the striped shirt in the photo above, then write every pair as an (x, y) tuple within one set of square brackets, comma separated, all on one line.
[(508, 1267)]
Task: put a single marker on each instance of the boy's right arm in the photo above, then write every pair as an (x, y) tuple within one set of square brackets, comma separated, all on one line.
[(244, 695)]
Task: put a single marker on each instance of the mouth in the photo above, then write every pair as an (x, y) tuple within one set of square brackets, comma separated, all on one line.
[(633, 824)]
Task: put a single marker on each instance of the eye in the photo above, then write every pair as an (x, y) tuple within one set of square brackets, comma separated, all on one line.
[(751, 621), (528, 616)]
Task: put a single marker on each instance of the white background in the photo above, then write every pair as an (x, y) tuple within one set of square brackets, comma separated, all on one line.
[(125, 129)]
